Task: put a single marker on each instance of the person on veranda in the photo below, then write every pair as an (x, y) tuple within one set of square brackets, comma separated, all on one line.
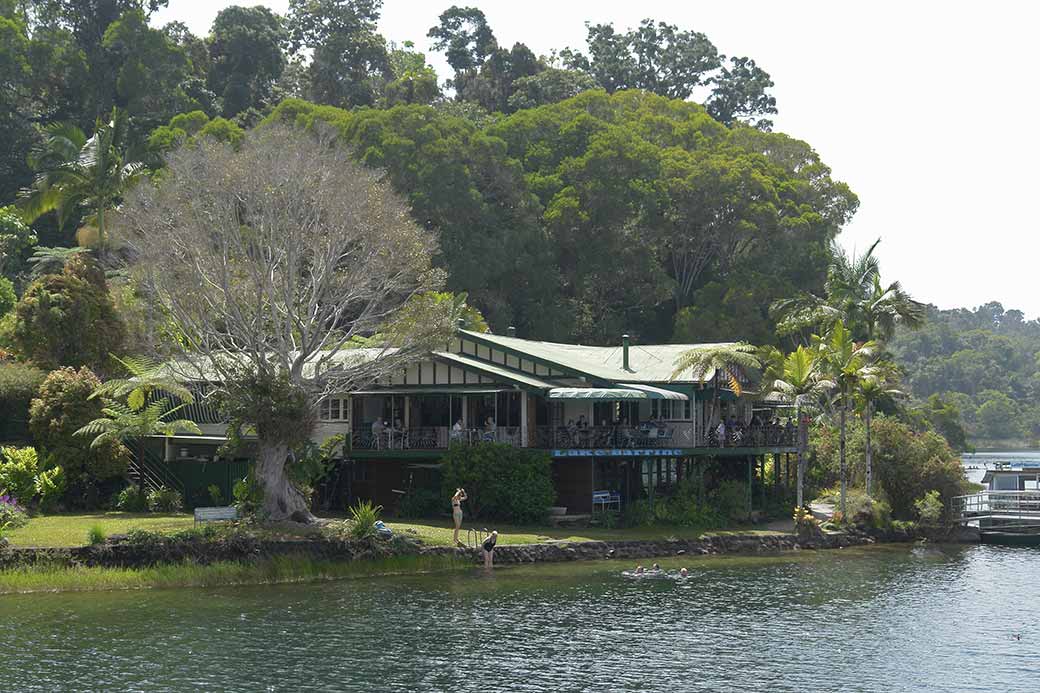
[(377, 433)]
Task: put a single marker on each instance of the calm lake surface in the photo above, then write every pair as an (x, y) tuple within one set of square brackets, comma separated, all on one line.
[(936, 618)]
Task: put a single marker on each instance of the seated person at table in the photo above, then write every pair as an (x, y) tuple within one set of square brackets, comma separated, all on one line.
[(489, 429), (456, 430), (377, 433), (626, 432)]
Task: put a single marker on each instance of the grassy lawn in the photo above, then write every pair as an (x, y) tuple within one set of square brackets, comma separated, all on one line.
[(439, 533), (71, 530)]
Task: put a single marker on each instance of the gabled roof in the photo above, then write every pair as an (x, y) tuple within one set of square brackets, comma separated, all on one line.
[(649, 363), (492, 370)]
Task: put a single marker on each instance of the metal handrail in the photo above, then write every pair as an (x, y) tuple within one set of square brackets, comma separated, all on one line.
[(1017, 504), (476, 537)]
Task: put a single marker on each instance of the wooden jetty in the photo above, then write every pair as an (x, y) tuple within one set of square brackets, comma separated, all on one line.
[(1011, 517)]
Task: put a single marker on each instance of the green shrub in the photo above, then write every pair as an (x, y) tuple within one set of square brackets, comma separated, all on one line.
[(363, 517), (929, 509), (682, 509), (165, 500), (12, 515), (96, 535), (248, 495), (638, 513), (19, 383), (906, 464), (69, 319), (421, 502), (18, 470), (502, 482), (64, 405), (50, 488), (860, 509), (215, 496), (132, 500), (730, 500)]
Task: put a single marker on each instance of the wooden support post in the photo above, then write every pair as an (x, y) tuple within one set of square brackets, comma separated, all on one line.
[(750, 473), (762, 478), (523, 419), (700, 481)]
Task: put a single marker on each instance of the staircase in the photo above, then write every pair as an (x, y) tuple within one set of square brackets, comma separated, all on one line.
[(148, 471)]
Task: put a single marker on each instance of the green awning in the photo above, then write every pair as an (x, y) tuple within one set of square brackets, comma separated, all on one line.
[(657, 392), (601, 393)]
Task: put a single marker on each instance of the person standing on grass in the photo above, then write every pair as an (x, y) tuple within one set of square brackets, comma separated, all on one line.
[(489, 549), (456, 511)]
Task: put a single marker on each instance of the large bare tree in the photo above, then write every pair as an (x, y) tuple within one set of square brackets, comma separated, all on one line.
[(270, 260)]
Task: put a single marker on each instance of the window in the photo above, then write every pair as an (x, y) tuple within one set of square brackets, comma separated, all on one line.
[(333, 409), (670, 409)]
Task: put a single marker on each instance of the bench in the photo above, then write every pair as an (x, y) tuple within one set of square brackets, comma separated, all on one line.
[(216, 514), (606, 500)]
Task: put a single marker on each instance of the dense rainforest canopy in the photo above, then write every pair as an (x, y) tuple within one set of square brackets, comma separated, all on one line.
[(982, 364)]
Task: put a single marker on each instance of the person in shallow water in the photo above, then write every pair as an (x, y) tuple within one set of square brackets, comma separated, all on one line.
[(639, 570), (489, 549), (683, 572), (456, 511)]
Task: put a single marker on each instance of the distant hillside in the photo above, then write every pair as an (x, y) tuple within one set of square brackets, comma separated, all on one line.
[(986, 363)]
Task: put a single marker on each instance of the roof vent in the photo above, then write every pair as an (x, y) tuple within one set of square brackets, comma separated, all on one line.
[(624, 352), (510, 331)]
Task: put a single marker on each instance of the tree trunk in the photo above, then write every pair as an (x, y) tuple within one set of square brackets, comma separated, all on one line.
[(801, 455), (869, 452), (282, 500), (841, 448)]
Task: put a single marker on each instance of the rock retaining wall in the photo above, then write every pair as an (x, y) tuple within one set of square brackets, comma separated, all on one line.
[(714, 544), (118, 552)]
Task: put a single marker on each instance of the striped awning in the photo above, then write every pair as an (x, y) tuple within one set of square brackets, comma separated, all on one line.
[(657, 392), (612, 394), (625, 392)]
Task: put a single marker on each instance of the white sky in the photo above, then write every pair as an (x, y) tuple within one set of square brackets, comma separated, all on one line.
[(914, 104)]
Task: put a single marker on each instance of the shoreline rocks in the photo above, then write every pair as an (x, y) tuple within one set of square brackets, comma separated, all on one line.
[(118, 552)]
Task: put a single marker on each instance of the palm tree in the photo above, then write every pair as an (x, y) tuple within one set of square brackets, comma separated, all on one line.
[(887, 307), (875, 385), (730, 362), (854, 294), (46, 260), (146, 377), (137, 417), (801, 383), (122, 422), (845, 362), (74, 171)]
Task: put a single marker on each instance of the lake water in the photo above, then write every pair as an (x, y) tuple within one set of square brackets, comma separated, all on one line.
[(903, 618)]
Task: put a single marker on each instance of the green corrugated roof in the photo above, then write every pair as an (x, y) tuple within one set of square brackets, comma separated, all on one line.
[(648, 363)]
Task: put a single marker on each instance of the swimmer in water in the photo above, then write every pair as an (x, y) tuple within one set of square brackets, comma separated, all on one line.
[(657, 567), (639, 570), (683, 572)]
